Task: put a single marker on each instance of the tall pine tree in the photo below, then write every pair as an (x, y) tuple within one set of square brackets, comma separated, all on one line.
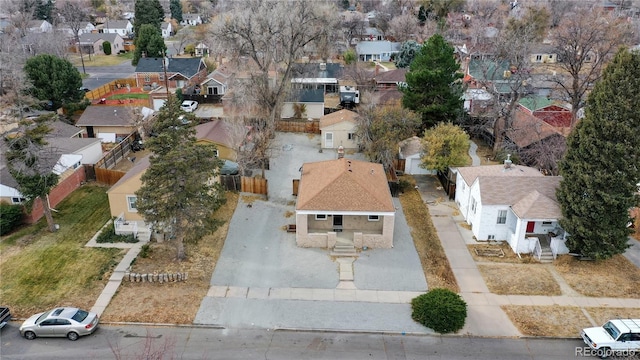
[(433, 88), (176, 10), (601, 169), (178, 195), (147, 12)]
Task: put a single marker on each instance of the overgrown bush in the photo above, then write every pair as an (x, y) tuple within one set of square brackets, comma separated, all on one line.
[(441, 310), (10, 217), (108, 235)]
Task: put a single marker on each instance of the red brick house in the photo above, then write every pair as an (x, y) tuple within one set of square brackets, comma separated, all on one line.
[(553, 112)]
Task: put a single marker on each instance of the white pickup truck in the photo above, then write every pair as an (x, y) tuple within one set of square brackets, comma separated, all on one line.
[(619, 337)]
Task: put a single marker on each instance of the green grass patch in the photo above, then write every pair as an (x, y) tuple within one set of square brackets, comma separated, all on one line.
[(129, 96), (54, 269), (99, 60)]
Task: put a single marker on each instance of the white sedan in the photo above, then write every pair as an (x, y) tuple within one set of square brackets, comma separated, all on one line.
[(189, 105)]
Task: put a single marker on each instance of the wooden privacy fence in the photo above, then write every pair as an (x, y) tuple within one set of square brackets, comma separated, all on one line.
[(108, 177), (254, 185), (110, 87), (103, 167), (312, 127)]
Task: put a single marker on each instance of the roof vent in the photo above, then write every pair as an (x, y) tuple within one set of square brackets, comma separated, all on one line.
[(323, 66)]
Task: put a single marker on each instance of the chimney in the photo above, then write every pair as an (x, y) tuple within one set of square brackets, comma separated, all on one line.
[(508, 162), (340, 152)]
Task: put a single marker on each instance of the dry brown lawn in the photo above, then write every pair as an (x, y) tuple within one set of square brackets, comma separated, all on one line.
[(556, 321), (485, 153), (615, 277), (512, 279), (175, 303), (509, 255), (601, 315), (434, 261)]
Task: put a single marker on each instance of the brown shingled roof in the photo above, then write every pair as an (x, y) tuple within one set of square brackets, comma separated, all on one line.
[(528, 129), (344, 185), (531, 197), (338, 117), (104, 115)]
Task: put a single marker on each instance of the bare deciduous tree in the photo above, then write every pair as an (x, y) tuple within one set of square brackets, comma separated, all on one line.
[(75, 14), (584, 43), (404, 27)]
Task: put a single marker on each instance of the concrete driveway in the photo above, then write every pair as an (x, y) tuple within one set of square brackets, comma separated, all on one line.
[(263, 279)]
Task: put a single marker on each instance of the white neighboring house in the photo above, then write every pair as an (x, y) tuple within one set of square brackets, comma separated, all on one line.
[(511, 203), (85, 28), (124, 28), (411, 151), (215, 83), (313, 99), (202, 50), (191, 19), (39, 26), (167, 29)]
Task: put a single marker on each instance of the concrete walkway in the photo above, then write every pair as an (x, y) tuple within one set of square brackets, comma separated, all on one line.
[(473, 148), (118, 273)]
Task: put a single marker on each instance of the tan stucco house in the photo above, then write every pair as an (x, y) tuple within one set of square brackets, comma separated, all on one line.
[(339, 129), (344, 202), (122, 198), (219, 133)]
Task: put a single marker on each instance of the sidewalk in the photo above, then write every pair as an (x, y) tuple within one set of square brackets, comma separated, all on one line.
[(118, 273)]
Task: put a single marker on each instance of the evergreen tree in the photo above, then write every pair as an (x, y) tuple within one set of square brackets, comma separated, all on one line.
[(178, 195), (407, 53), (434, 88), (601, 169), (150, 42), (31, 163), (147, 12), (176, 10), (43, 10), (54, 79)]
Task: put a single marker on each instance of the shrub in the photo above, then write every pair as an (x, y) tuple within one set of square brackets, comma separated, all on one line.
[(108, 235), (10, 217), (106, 48), (440, 309), (145, 251)]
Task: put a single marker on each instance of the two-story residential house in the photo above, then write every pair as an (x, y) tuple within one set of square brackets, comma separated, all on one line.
[(124, 28), (167, 29), (191, 19)]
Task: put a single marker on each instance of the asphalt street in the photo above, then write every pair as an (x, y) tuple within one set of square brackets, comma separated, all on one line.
[(147, 342), (100, 75)]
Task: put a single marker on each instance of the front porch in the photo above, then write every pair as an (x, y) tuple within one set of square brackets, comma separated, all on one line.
[(139, 229)]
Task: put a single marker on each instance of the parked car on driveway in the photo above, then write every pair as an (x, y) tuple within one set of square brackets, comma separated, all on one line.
[(189, 105), (66, 322)]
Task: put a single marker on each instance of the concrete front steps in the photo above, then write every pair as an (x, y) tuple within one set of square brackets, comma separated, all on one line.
[(546, 256), (344, 250)]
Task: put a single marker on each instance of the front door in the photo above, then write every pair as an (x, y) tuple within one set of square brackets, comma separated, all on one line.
[(328, 140), (530, 226), (337, 222)]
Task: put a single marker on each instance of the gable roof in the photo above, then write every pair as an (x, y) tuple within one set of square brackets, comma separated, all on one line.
[(91, 38), (344, 185), (71, 145), (216, 131), (314, 71), (531, 197), (534, 103), (117, 24), (471, 173), (377, 47), (410, 146), (140, 167), (185, 66), (338, 117), (392, 76), (527, 129), (63, 130), (103, 115)]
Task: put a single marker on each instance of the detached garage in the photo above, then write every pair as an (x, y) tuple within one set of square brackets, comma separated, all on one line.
[(411, 151)]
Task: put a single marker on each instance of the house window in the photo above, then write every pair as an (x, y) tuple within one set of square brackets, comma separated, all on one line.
[(216, 153), (538, 58), (546, 223), (321, 216), (17, 200), (502, 216), (473, 205), (131, 203), (551, 57), (351, 136), (374, 218), (147, 78), (491, 237)]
